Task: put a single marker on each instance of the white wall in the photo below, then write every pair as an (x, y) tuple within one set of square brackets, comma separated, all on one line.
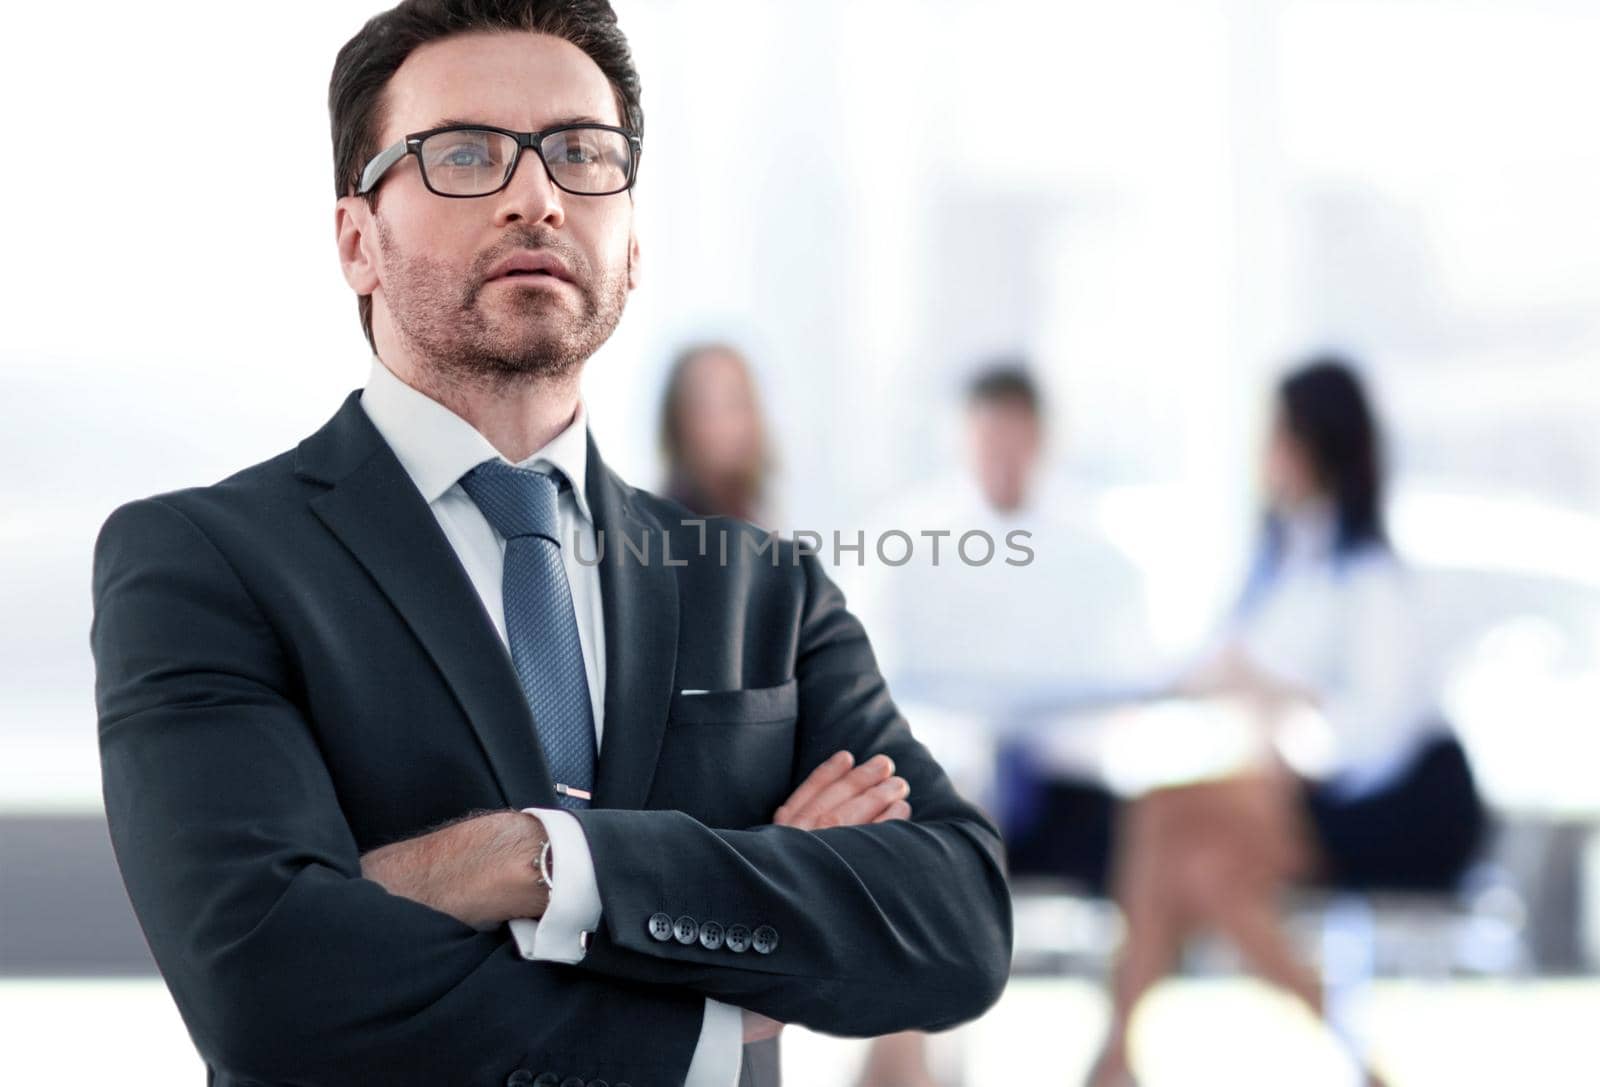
[(1160, 200)]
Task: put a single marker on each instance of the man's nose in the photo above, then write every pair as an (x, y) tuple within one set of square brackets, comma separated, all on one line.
[(530, 196)]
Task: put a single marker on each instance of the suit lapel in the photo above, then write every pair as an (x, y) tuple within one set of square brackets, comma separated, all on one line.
[(376, 511), (639, 601)]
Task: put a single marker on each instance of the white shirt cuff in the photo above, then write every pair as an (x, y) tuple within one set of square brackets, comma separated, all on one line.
[(719, 1055), (575, 908), (574, 900)]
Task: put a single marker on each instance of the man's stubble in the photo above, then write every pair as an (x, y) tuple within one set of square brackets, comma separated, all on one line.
[(538, 337)]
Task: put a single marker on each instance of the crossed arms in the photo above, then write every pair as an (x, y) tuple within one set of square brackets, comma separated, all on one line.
[(289, 963), (480, 869)]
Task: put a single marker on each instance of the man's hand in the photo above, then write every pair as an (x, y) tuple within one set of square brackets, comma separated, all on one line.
[(837, 794), (481, 870)]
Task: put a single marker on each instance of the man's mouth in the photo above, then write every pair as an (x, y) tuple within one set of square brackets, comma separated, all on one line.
[(531, 264)]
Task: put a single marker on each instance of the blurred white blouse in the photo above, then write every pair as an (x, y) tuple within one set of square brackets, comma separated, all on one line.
[(1345, 630)]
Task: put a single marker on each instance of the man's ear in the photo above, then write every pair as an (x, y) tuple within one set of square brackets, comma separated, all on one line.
[(356, 233), (633, 259)]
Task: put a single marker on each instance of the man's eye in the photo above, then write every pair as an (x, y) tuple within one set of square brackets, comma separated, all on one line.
[(465, 156)]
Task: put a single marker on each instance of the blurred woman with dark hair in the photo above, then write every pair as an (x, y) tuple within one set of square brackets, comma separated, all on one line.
[(713, 437), (1326, 620)]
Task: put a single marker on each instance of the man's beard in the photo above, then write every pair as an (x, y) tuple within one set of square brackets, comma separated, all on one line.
[(538, 336)]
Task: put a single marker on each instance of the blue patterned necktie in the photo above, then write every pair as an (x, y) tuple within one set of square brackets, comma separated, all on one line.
[(541, 626)]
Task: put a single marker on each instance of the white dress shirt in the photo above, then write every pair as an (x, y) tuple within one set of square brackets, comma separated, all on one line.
[(437, 447), (1069, 625)]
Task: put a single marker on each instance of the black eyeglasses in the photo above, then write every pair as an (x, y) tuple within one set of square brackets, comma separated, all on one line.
[(476, 160)]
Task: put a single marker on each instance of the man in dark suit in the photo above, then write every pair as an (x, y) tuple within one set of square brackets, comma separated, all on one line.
[(433, 753)]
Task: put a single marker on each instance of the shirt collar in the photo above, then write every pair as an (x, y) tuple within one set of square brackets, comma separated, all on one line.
[(1310, 532), (437, 447)]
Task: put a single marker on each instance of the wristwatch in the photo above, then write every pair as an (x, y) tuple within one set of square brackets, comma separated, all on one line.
[(545, 866)]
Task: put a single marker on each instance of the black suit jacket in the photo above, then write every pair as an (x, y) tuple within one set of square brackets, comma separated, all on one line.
[(292, 669)]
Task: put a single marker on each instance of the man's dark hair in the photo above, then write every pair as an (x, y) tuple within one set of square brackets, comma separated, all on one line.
[(1006, 381), (362, 70)]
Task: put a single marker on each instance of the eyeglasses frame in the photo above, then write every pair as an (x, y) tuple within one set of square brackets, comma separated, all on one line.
[(384, 160)]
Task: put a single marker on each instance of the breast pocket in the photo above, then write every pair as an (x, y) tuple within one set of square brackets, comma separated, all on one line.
[(746, 705), (727, 756)]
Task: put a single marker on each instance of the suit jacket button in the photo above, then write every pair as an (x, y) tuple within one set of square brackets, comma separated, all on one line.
[(572, 1081), (661, 927), (520, 1078), (737, 939), (765, 940), (685, 930), (548, 1079), (710, 935), (597, 1083)]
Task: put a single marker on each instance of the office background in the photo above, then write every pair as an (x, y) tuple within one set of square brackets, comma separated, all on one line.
[(1160, 202)]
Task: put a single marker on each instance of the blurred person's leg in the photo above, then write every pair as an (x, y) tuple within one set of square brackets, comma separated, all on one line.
[(1226, 888), (1154, 929), (762, 1064), (1212, 854), (898, 1060), (1222, 853), (1241, 843)]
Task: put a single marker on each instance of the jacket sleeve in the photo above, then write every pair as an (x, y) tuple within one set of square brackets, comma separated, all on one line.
[(852, 931), (286, 965)]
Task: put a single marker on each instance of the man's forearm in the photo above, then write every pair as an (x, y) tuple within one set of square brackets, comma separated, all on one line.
[(481, 869), (870, 929)]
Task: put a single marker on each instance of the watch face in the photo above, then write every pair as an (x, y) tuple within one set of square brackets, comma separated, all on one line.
[(546, 866)]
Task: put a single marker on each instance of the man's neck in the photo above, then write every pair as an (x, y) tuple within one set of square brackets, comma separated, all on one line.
[(518, 415)]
